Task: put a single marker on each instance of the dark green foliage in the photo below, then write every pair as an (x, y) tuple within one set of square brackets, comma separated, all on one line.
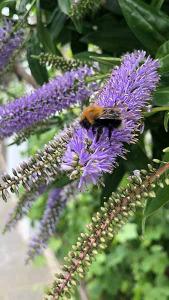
[(148, 24), (39, 72)]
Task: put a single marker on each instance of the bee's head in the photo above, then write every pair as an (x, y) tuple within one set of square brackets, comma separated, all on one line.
[(85, 123)]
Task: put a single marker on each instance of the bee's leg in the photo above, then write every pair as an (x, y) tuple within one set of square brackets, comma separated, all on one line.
[(99, 133), (110, 129), (94, 130)]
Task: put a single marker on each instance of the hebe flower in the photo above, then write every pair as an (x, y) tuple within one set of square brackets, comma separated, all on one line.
[(23, 207), (10, 42), (128, 89), (58, 94), (86, 158), (55, 205), (63, 64)]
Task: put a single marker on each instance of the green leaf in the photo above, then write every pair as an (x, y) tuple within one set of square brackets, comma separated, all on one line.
[(163, 50), (111, 181), (113, 6), (162, 196), (166, 119), (157, 3), (37, 210), (56, 23), (161, 96), (150, 25), (78, 24), (132, 162), (112, 36), (128, 232), (22, 5), (7, 3), (163, 56), (39, 72), (61, 181), (44, 34), (166, 150), (64, 6)]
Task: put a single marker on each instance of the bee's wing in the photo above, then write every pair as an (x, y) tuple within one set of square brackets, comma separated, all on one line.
[(110, 113)]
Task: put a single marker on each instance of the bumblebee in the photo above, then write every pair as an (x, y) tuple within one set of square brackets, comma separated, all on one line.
[(97, 118)]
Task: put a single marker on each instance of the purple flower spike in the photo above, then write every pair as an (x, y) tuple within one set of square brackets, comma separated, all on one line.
[(23, 207), (60, 93), (90, 156), (56, 203), (129, 90), (10, 42), (47, 225)]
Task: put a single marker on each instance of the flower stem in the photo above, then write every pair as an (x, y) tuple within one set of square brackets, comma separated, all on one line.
[(28, 11), (22, 20), (105, 224), (97, 77), (156, 110)]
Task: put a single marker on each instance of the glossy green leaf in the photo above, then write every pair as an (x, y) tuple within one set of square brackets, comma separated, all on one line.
[(157, 3), (7, 3), (166, 119), (112, 36), (38, 71), (163, 50), (78, 24), (132, 162), (56, 23), (112, 181), (150, 25), (163, 56), (161, 96), (43, 33), (64, 6), (162, 195), (113, 6)]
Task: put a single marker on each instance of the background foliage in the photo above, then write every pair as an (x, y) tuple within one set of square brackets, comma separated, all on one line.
[(135, 265)]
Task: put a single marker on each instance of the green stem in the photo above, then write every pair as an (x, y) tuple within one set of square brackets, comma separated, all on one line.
[(106, 58), (35, 56), (156, 110), (28, 11), (21, 21), (96, 77), (157, 3)]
